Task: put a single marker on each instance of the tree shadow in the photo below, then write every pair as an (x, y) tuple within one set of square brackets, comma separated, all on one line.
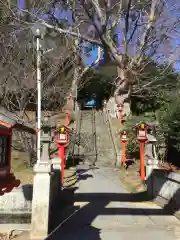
[(79, 224)]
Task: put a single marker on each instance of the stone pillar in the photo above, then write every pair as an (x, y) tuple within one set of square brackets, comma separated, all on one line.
[(41, 190), (76, 106), (151, 163), (119, 159), (56, 163)]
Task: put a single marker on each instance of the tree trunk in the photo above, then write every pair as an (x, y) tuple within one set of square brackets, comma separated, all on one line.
[(121, 99), (122, 93)]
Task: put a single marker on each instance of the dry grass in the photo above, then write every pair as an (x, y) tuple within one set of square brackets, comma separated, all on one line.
[(21, 171), (131, 179)]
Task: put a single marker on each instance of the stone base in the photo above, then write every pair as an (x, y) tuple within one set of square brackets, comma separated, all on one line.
[(152, 162), (149, 170), (41, 202), (43, 168), (17, 202), (56, 164)]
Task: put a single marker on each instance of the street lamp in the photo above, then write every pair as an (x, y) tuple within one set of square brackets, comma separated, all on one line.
[(39, 32)]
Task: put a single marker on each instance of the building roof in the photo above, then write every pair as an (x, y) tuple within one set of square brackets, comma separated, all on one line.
[(11, 120)]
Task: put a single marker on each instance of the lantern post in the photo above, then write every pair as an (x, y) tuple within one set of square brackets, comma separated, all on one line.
[(39, 32), (124, 140), (142, 138), (62, 141)]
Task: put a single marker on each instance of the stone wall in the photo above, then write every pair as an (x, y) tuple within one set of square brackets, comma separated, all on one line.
[(55, 195), (164, 186), (15, 206)]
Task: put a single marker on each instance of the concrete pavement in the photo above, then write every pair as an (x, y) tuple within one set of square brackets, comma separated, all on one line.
[(105, 210)]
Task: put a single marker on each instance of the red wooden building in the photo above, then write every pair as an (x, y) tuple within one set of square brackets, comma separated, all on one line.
[(8, 122)]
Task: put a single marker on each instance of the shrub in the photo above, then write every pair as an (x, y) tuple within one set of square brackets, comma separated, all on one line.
[(169, 119)]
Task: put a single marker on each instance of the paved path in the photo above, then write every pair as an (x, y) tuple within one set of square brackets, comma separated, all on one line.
[(106, 211)]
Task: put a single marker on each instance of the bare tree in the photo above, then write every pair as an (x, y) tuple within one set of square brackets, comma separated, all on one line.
[(18, 66), (132, 33), (18, 91)]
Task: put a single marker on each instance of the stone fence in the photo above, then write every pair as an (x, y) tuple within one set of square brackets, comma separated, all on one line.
[(164, 186)]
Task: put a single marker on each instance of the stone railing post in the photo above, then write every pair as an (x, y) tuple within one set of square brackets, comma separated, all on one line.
[(41, 189), (151, 162), (117, 161)]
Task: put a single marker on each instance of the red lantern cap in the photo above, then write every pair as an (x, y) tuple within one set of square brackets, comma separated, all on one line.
[(61, 135)]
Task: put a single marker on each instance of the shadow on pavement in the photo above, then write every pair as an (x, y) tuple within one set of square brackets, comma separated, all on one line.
[(79, 223)]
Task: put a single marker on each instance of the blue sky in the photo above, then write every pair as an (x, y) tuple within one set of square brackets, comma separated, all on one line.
[(89, 60), (61, 15), (93, 54)]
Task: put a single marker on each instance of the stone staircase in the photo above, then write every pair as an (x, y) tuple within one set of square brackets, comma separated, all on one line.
[(94, 146)]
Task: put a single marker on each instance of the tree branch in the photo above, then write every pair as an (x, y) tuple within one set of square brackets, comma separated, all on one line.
[(90, 66), (127, 26), (147, 30), (71, 33)]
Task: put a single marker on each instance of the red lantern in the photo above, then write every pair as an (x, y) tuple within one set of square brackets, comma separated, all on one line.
[(62, 141), (142, 137), (124, 140), (61, 136), (142, 132)]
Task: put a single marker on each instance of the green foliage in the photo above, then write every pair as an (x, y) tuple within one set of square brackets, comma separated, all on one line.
[(168, 130), (96, 83), (161, 81), (169, 118), (150, 102)]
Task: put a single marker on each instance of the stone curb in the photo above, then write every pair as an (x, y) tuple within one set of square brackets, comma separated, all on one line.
[(118, 155)]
